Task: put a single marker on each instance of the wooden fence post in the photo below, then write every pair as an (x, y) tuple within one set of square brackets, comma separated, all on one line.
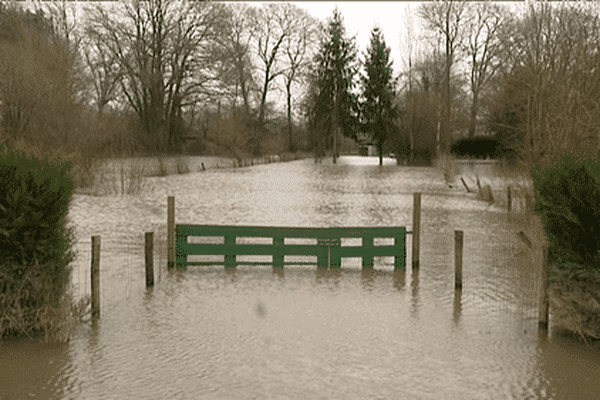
[(171, 232), (544, 306), (416, 229), (458, 255), (509, 197), (95, 277), (149, 251)]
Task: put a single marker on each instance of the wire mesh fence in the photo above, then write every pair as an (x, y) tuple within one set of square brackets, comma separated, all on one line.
[(122, 265), (501, 280), (501, 272)]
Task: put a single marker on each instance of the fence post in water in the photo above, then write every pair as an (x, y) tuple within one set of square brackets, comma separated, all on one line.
[(95, 276), (149, 251), (416, 229), (171, 232), (509, 197), (458, 254), (544, 300)]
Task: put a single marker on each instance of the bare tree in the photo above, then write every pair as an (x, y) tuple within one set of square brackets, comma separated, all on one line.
[(232, 52), (160, 49), (548, 100), (483, 49), (297, 46), (446, 17), (103, 68), (409, 109), (272, 23), (38, 100)]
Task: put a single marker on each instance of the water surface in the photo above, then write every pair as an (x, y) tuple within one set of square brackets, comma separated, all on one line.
[(304, 332)]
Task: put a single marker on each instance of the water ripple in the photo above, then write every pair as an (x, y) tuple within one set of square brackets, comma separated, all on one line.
[(307, 333)]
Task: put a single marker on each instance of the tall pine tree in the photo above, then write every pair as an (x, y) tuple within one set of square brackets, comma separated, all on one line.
[(378, 84), (333, 105)]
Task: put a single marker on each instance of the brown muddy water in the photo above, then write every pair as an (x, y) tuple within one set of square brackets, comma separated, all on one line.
[(251, 333)]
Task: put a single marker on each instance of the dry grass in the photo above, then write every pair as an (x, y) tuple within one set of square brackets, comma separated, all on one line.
[(576, 300), (447, 164), (25, 308), (121, 180)]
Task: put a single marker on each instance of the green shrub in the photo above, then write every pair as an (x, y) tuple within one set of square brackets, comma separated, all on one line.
[(33, 208), (568, 199)]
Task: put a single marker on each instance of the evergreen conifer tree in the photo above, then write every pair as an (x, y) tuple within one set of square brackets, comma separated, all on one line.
[(333, 106), (378, 92)]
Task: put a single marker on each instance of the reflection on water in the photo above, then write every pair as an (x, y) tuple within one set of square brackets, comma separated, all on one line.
[(304, 332)]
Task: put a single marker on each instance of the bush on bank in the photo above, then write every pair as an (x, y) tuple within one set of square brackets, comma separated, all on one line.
[(35, 244), (567, 194), (567, 198)]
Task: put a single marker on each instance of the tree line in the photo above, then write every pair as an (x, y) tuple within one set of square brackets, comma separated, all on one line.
[(151, 76), (524, 76)]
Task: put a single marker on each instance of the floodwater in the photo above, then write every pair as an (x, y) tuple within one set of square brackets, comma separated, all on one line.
[(306, 333)]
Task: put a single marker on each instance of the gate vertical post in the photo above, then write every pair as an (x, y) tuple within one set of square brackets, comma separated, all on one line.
[(400, 257), (171, 232), (323, 256), (416, 229), (95, 270), (278, 252), (368, 252), (335, 256), (322, 251), (230, 258)]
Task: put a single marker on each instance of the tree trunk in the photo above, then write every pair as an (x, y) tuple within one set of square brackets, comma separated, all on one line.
[(473, 122), (263, 101), (446, 130), (334, 126), (289, 115)]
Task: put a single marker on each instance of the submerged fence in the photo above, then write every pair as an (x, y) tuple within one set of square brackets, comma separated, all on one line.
[(110, 269), (224, 246), (325, 244)]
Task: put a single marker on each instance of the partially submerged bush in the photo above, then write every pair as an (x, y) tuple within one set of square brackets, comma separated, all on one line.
[(567, 192), (27, 306), (35, 244), (577, 298)]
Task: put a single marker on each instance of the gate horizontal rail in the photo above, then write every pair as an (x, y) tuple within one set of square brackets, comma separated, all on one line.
[(326, 245)]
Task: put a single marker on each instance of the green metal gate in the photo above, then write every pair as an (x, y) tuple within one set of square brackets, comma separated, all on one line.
[(325, 244)]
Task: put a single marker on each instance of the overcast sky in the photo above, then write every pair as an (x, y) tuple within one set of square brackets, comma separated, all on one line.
[(393, 17)]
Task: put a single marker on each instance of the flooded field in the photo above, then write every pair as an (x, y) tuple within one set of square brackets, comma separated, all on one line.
[(306, 333)]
